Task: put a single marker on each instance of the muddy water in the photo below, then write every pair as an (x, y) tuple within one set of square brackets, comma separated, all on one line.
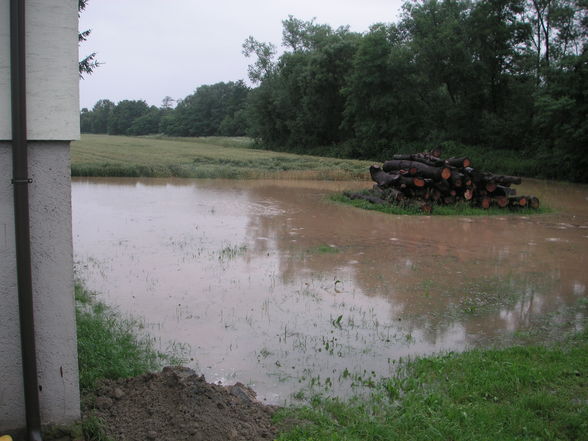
[(273, 285)]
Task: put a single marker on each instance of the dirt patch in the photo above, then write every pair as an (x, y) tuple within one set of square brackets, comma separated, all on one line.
[(176, 405)]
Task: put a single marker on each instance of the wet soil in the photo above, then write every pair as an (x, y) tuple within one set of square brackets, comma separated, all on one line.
[(176, 405)]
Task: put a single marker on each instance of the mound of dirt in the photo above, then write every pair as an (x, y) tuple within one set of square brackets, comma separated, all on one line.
[(177, 405)]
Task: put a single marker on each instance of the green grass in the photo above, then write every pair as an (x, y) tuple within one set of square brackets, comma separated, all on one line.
[(211, 157), (324, 249), (518, 393), (460, 209), (111, 346)]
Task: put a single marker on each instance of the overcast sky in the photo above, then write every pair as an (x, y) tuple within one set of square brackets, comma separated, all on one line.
[(154, 48)]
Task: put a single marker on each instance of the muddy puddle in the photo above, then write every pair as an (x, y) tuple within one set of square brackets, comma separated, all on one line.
[(271, 284)]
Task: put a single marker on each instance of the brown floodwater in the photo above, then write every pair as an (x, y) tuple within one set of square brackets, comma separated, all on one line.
[(272, 284)]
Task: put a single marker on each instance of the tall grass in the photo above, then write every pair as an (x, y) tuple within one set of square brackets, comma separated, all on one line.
[(231, 158), (518, 393)]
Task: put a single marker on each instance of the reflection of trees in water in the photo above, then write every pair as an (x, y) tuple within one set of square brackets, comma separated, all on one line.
[(480, 273)]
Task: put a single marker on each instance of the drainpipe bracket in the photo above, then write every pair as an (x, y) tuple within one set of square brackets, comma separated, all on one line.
[(21, 181)]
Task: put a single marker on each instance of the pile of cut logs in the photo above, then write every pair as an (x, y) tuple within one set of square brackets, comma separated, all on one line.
[(423, 180)]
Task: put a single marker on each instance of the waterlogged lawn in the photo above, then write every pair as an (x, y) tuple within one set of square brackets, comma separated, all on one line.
[(521, 392), (209, 157), (518, 393)]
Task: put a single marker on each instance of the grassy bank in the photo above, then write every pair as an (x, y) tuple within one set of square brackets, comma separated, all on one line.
[(518, 393), (103, 155), (110, 345), (438, 210)]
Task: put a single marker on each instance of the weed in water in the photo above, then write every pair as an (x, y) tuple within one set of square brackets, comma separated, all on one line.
[(324, 249), (231, 251)]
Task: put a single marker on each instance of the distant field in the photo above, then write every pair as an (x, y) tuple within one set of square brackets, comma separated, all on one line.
[(212, 157)]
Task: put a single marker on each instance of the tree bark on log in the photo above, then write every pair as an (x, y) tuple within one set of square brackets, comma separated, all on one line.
[(501, 190), (459, 162), (507, 181), (424, 158), (382, 178), (443, 186), (456, 179), (422, 170)]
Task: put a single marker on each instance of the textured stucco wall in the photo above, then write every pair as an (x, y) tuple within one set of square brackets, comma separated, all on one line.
[(52, 265), (52, 69)]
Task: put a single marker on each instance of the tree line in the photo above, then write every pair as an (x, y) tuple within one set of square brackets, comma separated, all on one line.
[(217, 109), (495, 74)]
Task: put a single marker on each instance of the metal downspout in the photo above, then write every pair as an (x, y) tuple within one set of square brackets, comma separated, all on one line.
[(21, 182)]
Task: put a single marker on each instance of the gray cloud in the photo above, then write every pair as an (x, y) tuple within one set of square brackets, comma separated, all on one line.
[(154, 48)]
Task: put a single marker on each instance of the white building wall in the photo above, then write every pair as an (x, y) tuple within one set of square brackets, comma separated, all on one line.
[(52, 268), (53, 120), (52, 70)]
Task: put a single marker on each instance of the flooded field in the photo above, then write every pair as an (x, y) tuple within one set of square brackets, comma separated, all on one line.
[(271, 284)]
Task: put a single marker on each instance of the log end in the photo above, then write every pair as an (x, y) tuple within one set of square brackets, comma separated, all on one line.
[(501, 201), (490, 187), (445, 173), (534, 202)]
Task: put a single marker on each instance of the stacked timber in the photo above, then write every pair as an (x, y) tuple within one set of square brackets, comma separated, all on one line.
[(423, 180)]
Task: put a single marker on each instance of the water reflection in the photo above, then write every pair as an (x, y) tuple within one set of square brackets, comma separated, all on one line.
[(272, 284)]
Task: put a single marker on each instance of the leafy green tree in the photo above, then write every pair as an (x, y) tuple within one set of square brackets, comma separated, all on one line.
[(203, 112), (264, 64), (299, 103), (85, 121), (146, 124), (505, 87), (561, 113), (87, 64), (96, 120), (124, 114)]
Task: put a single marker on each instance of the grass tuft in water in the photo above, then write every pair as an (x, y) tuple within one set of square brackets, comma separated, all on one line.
[(324, 249), (524, 393)]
